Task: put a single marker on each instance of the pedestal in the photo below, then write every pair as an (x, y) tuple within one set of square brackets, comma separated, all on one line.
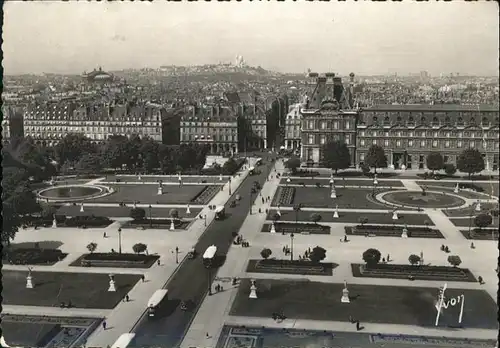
[(375, 181), (333, 194), (345, 296), (273, 228), (172, 225), (478, 206), (135, 205), (220, 177), (253, 291), (29, 282), (188, 211), (405, 233), (395, 216), (112, 287), (81, 208), (278, 212), (139, 177), (160, 190), (457, 189), (54, 223), (336, 213)]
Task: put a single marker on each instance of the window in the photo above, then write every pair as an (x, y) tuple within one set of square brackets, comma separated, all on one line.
[(447, 143), (472, 121), (362, 142), (460, 122), (362, 133), (361, 157), (410, 143), (435, 134), (387, 121), (399, 120), (347, 125), (422, 143), (375, 120), (398, 143), (422, 134), (411, 121), (322, 140), (447, 121), (410, 134), (460, 134), (435, 122), (311, 124), (400, 134), (423, 121), (386, 142), (434, 143), (347, 139), (386, 134), (485, 122), (311, 139), (471, 144), (448, 134), (374, 141), (335, 124), (323, 125), (459, 143)]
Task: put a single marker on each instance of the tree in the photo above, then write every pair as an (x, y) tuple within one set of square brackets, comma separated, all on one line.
[(435, 161), (137, 213), (450, 169), (371, 257), (292, 164), (114, 152), (470, 161), (10, 224), (174, 214), (139, 248), (414, 259), (315, 217), (483, 220), (48, 211), (230, 167), (265, 253), (91, 247), (454, 260), (336, 155), (18, 193), (362, 220), (375, 158), (72, 147), (317, 255), (90, 163), (149, 154)]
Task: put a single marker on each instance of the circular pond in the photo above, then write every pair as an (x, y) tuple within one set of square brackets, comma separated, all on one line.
[(416, 199), (70, 193)]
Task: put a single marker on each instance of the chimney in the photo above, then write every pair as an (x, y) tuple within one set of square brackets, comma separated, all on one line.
[(338, 89), (320, 92)]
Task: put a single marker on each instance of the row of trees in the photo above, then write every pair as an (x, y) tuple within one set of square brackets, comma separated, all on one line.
[(372, 257), (336, 156), (137, 248), (316, 255)]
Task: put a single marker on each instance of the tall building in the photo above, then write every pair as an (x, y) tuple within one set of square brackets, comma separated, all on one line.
[(293, 124), (408, 133), (12, 122), (213, 125), (328, 115)]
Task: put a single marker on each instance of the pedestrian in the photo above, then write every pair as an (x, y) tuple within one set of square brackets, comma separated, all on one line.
[(383, 260), (358, 326), (221, 288), (104, 325), (351, 320), (207, 335), (143, 278), (388, 257), (158, 262), (284, 250), (127, 298), (104, 235)]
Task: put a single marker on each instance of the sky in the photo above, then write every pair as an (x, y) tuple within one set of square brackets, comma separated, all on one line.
[(363, 37)]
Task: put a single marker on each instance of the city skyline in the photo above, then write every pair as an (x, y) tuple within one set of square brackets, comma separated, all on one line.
[(373, 38)]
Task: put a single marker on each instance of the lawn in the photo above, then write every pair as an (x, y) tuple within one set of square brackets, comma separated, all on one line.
[(125, 260), (147, 194), (450, 186), (349, 198), (290, 267), (339, 183), (70, 210), (485, 207), (168, 179), (369, 303), (84, 290), (353, 217)]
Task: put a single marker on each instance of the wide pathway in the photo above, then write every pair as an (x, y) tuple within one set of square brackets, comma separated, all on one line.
[(127, 316), (192, 280)]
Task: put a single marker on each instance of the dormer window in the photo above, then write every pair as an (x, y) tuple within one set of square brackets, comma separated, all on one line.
[(485, 122), (387, 121), (423, 121), (447, 121), (435, 122), (460, 122), (375, 120)]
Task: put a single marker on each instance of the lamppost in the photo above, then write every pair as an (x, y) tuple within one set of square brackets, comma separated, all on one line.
[(150, 217), (205, 219), (291, 246), (296, 209), (209, 282), (374, 187), (471, 212), (176, 254), (250, 204), (119, 240)]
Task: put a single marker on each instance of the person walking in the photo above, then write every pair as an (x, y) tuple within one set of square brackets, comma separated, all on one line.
[(104, 325), (143, 278), (127, 298)]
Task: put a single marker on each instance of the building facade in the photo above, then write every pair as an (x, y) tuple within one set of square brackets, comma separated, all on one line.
[(213, 125), (408, 133), (327, 115), (293, 124), (49, 122)]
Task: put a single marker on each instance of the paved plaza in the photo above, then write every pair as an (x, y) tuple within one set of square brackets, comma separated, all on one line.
[(211, 324)]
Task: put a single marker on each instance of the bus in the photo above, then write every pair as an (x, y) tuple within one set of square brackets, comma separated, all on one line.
[(220, 212), (156, 301), (209, 255), (123, 341)]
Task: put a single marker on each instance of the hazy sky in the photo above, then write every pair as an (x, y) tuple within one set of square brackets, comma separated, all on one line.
[(363, 37)]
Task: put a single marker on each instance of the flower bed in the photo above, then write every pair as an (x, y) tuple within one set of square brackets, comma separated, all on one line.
[(284, 196), (481, 234), (393, 231), (393, 271), (291, 227), (158, 223), (306, 173), (124, 260), (205, 195), (290, 267), (33, 256), (88, 221)]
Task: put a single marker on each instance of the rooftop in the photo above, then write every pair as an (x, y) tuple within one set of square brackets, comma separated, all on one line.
[(435, 107)]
